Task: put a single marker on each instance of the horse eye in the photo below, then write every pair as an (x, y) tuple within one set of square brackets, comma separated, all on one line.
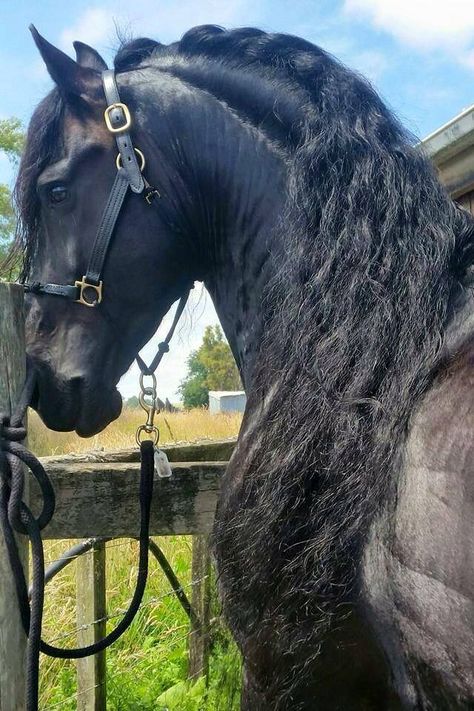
[(58, 194)]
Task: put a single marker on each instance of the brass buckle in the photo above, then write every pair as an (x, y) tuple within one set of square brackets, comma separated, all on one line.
[(83, 285), (128, 118)]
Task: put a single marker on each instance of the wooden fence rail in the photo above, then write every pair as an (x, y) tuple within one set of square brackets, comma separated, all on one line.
[(97, 495), (101, 499)]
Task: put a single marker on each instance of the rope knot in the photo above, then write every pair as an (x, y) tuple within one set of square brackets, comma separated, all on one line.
[(9, 432), (163, 347)]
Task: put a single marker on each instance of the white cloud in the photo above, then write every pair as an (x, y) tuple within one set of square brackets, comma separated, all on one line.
[(166, 20), (92, 27), (422, 24)]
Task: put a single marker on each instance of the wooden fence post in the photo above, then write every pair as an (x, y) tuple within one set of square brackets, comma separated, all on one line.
[(12, 374), (200, 601), (91, 605)]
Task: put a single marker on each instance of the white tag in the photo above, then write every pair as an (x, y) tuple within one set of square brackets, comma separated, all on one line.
[(162, 465)]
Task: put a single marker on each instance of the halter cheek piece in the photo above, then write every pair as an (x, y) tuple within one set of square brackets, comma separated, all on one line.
[(89, 290)]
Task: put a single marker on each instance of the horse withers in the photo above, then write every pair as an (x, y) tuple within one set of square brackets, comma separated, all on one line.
[(340, 271)]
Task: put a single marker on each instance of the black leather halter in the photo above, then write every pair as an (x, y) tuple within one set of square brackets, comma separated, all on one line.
[(89, 290)]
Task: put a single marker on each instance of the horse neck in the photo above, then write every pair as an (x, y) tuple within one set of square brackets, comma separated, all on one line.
[(244, 248), (236, 176)]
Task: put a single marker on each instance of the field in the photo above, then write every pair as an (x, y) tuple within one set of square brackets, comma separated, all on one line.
[(183, 426), (147, 667)]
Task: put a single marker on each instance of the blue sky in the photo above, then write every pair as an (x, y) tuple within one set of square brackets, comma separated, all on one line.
[(419, 54)]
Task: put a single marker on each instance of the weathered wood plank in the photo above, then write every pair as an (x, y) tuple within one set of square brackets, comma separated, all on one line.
[(202, 451), (198, 641), (91, 605), (12, 373), (101, 499)]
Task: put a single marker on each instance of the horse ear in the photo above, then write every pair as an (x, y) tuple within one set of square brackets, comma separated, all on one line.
[(70, 77), (88, 57)]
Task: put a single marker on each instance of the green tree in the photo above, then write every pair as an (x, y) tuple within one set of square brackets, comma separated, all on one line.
[(12, 138), (210, 367), (132, 402), (11, 143)]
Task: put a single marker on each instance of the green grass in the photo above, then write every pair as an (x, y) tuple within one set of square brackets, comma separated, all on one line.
[(147, 667)]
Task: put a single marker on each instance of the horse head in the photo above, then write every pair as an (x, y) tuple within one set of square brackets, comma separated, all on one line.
[(220, 173), (65, 179)]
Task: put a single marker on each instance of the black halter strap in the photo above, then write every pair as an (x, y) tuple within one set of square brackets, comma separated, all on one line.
[(164, 346), (118, 121)]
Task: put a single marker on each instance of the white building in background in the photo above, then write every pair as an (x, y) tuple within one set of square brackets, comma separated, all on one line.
[(451, 148), (226, 401)]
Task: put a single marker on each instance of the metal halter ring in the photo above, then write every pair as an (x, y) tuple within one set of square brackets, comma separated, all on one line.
[(148, 431), (147, 375), (118, 160)]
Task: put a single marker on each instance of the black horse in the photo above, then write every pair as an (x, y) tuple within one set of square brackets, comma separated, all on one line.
[(340, 271)]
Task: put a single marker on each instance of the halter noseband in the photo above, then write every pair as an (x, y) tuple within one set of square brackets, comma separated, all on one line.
[(89, 290)]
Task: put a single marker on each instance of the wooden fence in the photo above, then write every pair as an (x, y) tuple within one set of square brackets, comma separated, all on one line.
[(97, 495)]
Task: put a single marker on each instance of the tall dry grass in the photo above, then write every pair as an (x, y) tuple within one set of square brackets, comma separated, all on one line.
[(183, 426)]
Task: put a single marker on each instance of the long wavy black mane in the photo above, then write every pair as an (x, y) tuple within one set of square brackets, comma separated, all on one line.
[(353, 319)]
